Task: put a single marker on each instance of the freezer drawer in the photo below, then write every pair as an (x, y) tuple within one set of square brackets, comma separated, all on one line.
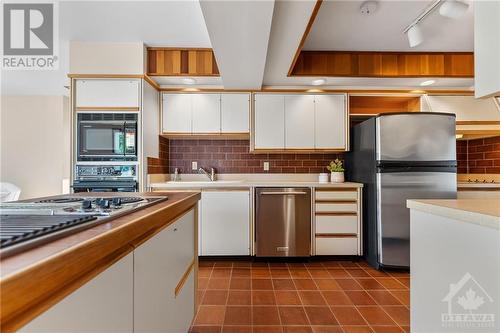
[(283, 222), (393, 218), (416, 137)]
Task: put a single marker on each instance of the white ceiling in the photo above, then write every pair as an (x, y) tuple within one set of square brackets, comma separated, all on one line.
[(239, 32), (155, 23), (340, 26), (246, 35)]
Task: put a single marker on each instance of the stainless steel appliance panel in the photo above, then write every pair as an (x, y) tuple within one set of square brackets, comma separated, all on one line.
[(283, 222), (393, 218), (416, 137)]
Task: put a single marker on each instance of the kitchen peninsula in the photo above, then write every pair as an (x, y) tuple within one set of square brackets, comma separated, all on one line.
[(112, 270), (460, 241)]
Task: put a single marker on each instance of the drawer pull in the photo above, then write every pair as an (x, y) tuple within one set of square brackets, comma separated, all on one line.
[(284, 193), (336, 214), (336, 235), (336, 201), (175, 229)]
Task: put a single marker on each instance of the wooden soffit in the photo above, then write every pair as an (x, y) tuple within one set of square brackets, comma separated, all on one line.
[(384, 64), (163, 61)]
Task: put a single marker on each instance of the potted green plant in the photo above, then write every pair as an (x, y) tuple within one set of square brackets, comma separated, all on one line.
[(337, 171)]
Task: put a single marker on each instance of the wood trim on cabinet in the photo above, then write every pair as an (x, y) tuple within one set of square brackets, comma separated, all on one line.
[(105, 76), (212, 136), (107, 108), (336, 213), (336, 235), (65, 265), (152, 82), (336, 189), (309, 25), (384, 64), (336, 201), (478, 122), (475, 189), (184, 277)]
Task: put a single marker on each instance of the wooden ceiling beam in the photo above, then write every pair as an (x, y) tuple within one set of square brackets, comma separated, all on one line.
[(169, 61), (314, 13), (384, 64)]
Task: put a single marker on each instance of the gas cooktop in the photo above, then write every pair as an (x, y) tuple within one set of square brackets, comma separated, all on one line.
[(31, 223)]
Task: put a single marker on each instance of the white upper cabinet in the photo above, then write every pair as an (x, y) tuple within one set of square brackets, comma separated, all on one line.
[(177, 113), (299, 121), (269, 121), (330, 121), (104, 93), (206, 113), (235, 113), (486, 48)]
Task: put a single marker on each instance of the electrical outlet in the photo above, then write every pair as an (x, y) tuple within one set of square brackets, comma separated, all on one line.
[(194, 165), (266, 166)]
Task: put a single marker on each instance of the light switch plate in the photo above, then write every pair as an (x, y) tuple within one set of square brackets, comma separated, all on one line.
[(194, 165), (266, 166)]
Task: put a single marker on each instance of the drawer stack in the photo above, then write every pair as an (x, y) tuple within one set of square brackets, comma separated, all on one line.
[(338, 221)]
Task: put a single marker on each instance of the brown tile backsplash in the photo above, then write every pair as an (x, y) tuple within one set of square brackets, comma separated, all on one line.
[(233, 156), (481, 156), (160, 165)]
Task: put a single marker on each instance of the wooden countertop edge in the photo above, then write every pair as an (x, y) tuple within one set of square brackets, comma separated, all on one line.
[(22, 298)]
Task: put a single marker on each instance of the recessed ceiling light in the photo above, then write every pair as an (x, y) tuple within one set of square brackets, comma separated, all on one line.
[(318, 82), (189, 80), (453, 8), (427, 83), (415, 36)]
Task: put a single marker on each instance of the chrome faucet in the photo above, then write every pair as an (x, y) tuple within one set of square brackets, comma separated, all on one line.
[(210, 175)]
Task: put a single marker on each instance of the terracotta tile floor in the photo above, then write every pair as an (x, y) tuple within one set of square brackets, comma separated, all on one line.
[(315, 297)]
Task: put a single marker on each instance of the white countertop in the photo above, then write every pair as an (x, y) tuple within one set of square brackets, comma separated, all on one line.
[(196, 184), (485, 212), (478, 185)]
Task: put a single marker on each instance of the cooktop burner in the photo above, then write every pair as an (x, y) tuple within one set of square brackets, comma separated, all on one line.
[(25, 224)]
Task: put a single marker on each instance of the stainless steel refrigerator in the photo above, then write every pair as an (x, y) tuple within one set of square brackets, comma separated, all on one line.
[(400, 156)]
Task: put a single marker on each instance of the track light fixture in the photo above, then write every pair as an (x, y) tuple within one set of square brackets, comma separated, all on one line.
[(453, 9), (415, 36), (447, 8)]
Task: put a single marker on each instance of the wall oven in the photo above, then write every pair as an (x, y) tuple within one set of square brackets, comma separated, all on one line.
[(107, 137)]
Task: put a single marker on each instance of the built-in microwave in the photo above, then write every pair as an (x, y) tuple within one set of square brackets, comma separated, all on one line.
[(107, 137)]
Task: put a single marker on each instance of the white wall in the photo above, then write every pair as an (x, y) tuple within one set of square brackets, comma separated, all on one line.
[(106, 58), (35, 143)]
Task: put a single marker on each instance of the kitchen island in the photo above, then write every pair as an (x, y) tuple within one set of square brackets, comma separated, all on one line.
[(108, 277), (455, 265)]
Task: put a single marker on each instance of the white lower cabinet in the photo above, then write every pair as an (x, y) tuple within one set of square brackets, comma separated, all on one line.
[(225, 222), (104, 304), (163, 296)]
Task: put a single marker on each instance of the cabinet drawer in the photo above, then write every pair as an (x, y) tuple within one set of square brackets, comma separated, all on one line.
[(336, 246), (336, 195), (331, 224), (337, 207)]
